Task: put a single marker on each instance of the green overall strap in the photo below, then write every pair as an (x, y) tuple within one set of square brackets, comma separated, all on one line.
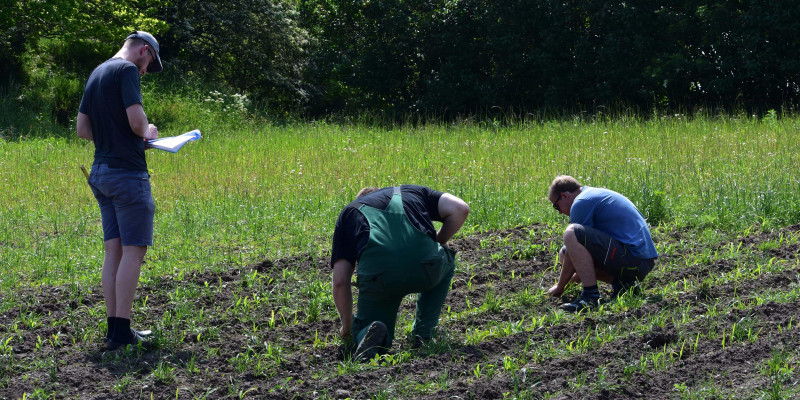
[(393, 240)]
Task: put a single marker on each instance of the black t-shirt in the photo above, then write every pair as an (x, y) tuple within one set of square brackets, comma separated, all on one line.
[(351, 235), (111, 88)]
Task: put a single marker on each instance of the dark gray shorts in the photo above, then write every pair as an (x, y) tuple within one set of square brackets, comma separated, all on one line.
[(612, 256), (126, 204)]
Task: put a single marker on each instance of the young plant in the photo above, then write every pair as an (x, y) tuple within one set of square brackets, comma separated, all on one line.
[(164, 373)]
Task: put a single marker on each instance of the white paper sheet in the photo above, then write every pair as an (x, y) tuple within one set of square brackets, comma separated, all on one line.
[(174, 143)]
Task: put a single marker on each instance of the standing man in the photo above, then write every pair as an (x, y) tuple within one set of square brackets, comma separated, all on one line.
[(111, 115), (607, 239), (389, 234)]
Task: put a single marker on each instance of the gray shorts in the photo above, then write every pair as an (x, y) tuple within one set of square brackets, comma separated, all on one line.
[(612, 256), (126, 204)]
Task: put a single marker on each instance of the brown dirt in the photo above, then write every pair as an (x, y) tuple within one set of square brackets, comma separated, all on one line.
[(80, 368)]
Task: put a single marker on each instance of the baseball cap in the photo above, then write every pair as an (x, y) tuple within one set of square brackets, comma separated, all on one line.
[(156, 65)]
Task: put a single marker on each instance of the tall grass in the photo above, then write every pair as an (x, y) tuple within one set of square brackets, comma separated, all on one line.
[(250, 190)]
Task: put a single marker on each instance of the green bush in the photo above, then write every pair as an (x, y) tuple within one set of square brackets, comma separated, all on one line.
[(254, 46)]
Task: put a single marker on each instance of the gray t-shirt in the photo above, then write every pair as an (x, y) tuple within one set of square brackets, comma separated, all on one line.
[(111, 88)]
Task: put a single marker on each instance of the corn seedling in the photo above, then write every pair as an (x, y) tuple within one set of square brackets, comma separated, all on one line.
[(164, 373)]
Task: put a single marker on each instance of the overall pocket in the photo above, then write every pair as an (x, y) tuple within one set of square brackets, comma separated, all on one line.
[(433, 268)]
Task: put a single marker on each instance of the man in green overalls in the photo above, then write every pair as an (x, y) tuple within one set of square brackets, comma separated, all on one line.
[(389, 234)]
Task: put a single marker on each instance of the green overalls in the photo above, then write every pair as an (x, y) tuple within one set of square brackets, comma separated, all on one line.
[(399, 260)]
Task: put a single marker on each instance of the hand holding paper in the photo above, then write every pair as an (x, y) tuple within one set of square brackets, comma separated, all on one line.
[(174, 143), (152, 132)]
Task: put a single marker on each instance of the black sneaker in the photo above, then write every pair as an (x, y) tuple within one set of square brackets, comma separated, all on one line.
[(620, 287), (373, 341), (420, 342), (580, 304), (144, 334), (135, 340)]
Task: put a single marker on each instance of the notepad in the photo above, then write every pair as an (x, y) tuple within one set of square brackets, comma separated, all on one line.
[(174, 143)]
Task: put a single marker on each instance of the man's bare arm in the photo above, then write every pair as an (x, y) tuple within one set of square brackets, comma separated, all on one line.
[(453, 212), (139, 124), (85, 127), (343, 293)]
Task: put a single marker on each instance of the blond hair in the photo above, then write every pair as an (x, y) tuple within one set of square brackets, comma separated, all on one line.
[(367, 190), (562, 183)]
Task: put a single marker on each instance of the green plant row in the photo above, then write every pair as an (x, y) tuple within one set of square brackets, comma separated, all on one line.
[(232, 335)]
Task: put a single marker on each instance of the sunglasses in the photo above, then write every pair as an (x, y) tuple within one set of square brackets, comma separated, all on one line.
[(555, 203), (151, 53)]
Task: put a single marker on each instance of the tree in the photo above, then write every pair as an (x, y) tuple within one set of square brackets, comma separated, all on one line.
[(255, 46)]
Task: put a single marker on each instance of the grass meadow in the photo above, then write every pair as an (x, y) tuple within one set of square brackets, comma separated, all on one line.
[(249, 191), (252, 202)]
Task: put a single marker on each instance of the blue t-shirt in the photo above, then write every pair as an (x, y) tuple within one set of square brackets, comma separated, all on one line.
[(111, 88), (612, 213)]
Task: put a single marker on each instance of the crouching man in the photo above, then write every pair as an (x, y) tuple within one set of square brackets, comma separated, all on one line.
[(389, 235), (607, 239)]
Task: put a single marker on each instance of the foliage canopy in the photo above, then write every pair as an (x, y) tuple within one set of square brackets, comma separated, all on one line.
[(433, 57)]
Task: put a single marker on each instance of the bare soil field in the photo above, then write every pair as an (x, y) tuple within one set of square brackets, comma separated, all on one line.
[(716, 319)]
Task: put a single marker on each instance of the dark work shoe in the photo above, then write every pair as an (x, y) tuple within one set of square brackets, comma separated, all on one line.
[(438, 334), (620, 287), (373, 341), (419, 342), (581, 303), (144, 334), (135, 340)]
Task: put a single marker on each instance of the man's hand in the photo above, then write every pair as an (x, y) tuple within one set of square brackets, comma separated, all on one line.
[(152, 132), (347, 348), (555, 291)]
